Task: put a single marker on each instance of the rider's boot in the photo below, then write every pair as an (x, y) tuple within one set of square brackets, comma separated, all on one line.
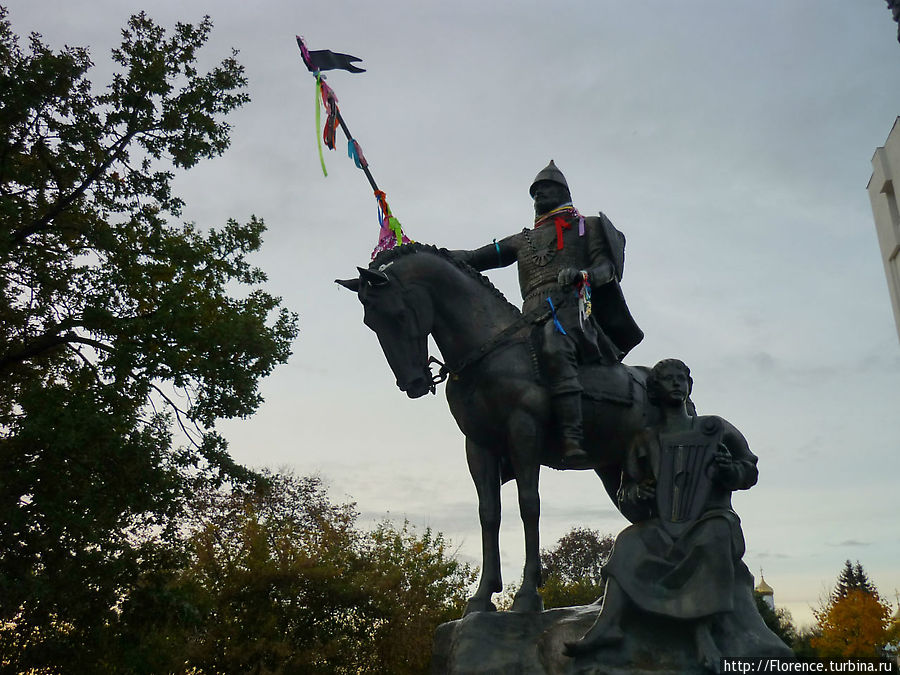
[(567, 408)]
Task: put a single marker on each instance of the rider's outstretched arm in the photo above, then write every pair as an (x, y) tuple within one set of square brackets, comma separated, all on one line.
[(497, 254)]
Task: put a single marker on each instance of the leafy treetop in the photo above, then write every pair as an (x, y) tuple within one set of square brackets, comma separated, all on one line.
[(854, 621), (116, 322), (855, 625), (281, 579), (571, 569), (92, 270)]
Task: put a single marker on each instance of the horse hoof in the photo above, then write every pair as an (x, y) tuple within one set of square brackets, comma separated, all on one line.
[(528, 602), (479, 605)]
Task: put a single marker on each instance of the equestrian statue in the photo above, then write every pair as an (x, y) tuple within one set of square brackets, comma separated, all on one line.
[(543, 386), (546, 386)]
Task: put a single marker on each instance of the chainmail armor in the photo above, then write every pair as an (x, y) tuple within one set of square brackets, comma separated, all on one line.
[(539, 262)]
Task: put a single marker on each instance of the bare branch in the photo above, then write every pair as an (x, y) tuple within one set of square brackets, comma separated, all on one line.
[(178, 416)]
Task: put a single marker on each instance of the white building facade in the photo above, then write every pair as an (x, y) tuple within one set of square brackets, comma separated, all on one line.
[(883, 195)]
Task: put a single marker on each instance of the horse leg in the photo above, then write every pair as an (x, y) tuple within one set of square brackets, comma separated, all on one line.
[(484, 466), (525, 439)]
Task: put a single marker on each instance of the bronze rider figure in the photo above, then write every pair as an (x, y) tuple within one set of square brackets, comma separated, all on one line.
[(569, 269)]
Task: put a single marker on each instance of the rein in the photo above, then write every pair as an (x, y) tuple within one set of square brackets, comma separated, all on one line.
[(500, 339)]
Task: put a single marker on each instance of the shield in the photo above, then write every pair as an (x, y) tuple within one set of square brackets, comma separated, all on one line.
[(685, 476)]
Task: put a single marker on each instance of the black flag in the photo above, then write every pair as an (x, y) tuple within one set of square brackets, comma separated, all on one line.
[(325, 59)]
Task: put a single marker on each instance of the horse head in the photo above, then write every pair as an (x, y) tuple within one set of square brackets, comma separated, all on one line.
[(401, 314)]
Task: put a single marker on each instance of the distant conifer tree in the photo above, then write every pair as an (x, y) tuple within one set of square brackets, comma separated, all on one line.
[(852, 577)]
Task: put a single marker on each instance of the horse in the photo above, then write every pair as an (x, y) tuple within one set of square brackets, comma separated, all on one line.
[(494, 391)]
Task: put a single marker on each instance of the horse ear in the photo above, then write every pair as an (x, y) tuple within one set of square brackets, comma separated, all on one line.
[(373, 277), (351, 284)]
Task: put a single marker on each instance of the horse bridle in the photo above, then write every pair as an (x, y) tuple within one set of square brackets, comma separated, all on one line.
[(503, 338)]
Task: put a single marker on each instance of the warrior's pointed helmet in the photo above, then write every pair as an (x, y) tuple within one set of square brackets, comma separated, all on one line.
[(551, 173)]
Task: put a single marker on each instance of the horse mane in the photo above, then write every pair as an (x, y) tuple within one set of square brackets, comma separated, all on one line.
[(390, 255)]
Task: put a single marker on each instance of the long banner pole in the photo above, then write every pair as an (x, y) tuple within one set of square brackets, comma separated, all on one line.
[(364, 165), (316, 61)]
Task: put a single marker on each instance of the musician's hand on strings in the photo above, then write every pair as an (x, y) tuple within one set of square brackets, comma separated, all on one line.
[(646, 490), (725, 468)]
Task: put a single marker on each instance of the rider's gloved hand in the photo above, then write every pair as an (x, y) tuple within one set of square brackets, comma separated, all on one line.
[(568, 276)]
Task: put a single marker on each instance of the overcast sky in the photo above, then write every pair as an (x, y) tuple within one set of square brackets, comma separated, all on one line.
[(731, 143)]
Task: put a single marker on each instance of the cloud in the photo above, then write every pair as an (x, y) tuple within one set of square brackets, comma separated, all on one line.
[(850, 542), (763, 361)]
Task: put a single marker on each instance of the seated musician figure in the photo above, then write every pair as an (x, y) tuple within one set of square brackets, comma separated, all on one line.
[(678, 558)]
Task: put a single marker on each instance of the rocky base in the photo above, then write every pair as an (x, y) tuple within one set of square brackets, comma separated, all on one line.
[(492, 643)]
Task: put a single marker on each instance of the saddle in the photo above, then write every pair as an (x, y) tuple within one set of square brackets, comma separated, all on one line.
[(611, 383), (604, 382)]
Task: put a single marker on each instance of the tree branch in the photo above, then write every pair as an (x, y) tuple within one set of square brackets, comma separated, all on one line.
[(47, 342), (178, 415), (64, 202)]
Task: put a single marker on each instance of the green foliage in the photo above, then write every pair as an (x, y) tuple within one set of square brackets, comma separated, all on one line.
[(572, 568), (280, 580), (579, 554), (803, 642), (115, 324), (415, 586), (558, 594), (778, 620)]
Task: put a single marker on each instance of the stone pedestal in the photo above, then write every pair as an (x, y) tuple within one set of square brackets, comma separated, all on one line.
[(495, 643)]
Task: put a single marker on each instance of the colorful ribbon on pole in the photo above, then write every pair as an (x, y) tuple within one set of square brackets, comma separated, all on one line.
[(390, 233)]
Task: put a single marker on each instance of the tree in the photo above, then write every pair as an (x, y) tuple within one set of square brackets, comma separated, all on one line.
[(852, 577), (854, 621), (415, 585), (856, 625), (572, 568), (268, 580), (803, 642), (116, 324), (280, 580), (778, 620)]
